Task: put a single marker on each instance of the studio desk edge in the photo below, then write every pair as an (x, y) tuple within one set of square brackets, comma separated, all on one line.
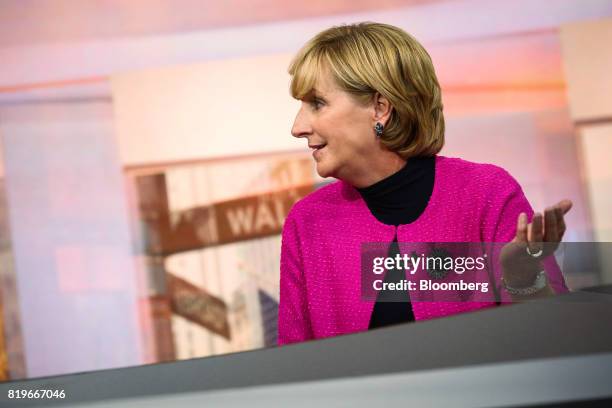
[(579, 323)]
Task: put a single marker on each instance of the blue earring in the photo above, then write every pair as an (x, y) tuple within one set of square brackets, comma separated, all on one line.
[(378, 128)]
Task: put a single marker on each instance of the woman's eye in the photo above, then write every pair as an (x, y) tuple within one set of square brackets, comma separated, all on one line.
[(317, 103)]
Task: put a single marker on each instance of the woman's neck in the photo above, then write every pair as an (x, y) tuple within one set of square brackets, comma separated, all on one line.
[(376, 170)]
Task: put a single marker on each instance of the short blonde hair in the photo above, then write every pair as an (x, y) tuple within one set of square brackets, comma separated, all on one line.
[(367, 58)]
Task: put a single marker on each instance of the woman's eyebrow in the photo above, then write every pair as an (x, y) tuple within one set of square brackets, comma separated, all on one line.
[(307, 96), (312, 94), (318, 94)]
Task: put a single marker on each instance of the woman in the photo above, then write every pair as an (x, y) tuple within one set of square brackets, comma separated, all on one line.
[(372, 113)]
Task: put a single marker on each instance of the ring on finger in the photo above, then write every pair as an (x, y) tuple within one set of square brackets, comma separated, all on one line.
[(534, 254)]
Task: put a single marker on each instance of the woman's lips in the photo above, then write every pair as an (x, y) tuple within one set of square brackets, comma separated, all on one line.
[(317, 146), (317, 150)]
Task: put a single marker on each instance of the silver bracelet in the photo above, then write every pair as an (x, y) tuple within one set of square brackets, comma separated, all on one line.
[(539, 284)]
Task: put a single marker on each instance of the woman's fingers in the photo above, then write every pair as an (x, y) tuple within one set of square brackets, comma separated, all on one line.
[(537, 233), (550, 227), (564, 205), (521, 228), (560, 223)]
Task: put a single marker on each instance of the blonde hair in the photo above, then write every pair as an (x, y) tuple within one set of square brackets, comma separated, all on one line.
[(367, 58)]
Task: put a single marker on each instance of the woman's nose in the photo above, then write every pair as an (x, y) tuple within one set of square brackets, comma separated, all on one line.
[(301, 126)]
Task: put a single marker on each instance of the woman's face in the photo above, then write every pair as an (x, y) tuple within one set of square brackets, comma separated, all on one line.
[(339, 129)]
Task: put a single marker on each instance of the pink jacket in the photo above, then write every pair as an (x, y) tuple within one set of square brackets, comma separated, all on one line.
[(320, 288)]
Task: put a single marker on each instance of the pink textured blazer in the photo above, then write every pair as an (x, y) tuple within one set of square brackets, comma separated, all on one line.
[(320, 282)]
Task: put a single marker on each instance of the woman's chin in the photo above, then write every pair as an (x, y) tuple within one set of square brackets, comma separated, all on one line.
[(323, 170)]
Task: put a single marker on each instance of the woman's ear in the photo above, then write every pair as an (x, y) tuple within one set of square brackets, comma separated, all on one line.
[(382, 109)]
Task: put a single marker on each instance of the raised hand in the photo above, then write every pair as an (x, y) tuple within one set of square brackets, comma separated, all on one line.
[(521, 258)]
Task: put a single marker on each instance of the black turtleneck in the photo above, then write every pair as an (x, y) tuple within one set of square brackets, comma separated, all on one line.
[(399, 199)]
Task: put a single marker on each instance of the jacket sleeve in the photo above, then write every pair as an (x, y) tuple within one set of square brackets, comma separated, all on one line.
[(293, 317), (506, 201)]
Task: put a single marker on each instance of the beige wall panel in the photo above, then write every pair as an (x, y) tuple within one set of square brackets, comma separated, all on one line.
[(213, 109), (587, 54), (596, 142)]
